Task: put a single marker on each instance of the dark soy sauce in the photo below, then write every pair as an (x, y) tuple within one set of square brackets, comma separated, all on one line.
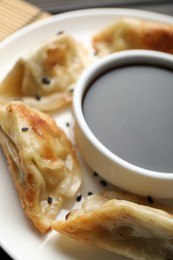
[(130, 111)]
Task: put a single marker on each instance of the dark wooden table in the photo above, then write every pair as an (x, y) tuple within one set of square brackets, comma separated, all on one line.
[(59, 6)]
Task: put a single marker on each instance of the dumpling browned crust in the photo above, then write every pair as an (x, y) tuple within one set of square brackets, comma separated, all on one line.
[(45, 77), (122, 223), (131, 33), (41, 159)]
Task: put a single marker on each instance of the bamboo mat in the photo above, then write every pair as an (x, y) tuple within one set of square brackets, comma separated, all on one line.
[(14, 14)]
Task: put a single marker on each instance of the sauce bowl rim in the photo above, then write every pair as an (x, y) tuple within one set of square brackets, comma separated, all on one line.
[(127, 57)]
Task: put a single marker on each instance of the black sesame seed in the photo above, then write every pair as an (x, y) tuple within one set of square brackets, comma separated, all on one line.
[(150, 199), (95, 53), (45, 80), (49, 200), (67, 124), (120, 234), (104, 183), (79, 197), (90, 193), (24, 129), (60, 32), (37, 97), (67, 216), (95, 174), (71, 90)]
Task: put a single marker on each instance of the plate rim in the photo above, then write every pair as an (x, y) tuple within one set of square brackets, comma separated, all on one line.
[(68, 15)]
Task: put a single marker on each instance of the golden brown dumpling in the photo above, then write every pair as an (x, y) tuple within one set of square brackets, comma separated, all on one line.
[(44, 78), (122, 223), (41, 159), (131, 33)]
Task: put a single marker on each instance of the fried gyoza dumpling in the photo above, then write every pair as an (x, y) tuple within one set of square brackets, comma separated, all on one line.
[(41, 159), (44, 78), (132, 33), (122, 223)]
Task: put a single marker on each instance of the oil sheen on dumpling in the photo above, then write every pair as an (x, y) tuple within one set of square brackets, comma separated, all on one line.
[(46, 75), (123, 223), (131, 33), (41, 159)]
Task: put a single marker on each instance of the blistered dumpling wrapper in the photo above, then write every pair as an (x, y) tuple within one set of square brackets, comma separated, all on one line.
[(129, 33), (42, 161), (123, 223), (45, 77)]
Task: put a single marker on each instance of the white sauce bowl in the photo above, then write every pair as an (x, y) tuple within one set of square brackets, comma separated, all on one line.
[(111, 167)]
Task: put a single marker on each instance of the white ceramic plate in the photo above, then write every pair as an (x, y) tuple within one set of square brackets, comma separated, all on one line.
[(17, 235)]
